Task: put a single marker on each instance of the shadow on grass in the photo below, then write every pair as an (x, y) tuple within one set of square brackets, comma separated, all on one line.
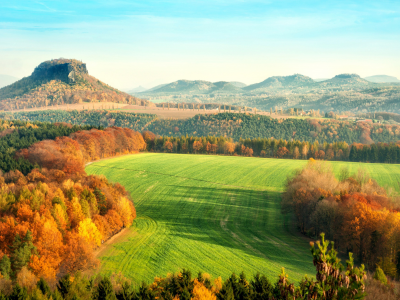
[(238, 218)]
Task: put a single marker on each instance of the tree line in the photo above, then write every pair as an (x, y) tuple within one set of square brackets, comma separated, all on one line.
[(16, 135), (294, 149), (354, 211), (333, 281), (376, 153)]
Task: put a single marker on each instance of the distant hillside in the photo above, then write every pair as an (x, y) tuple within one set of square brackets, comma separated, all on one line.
[(83, 117), (238, 84), (138, 89), (281, 82), (195, 87), (60, 81), (230, 125), (382, 79), (345, 80), (7, 80), (343, 92)]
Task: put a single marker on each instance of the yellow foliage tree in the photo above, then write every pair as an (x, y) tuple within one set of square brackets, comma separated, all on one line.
[(75, 213), (200, 292), (88, 231), (124, 210)]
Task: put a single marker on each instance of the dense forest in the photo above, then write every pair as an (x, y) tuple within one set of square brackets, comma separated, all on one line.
[(252, 126), (354, 211), (333, 281), (230, 125), (85, 117), (16, 135), (55, 216), (382, 153)]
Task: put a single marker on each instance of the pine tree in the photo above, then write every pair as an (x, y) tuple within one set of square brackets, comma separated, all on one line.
[(185, 293), (43, 287), (262, 288), (21, 252), (64, 285), (105, 290), (18, 293), (5, 267)]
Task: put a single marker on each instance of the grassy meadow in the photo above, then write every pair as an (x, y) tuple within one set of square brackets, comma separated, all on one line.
[(215, 214)]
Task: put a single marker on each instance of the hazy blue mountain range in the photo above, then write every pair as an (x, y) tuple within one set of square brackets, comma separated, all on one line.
[(137, 90), (195, 87), (296, 80), (297, 83), (7, 80), (343, 92), (238, 84), (382, 79)]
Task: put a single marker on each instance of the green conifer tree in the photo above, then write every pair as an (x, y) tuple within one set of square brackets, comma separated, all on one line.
[(21, 252), (18, 293), (43, 286), (5, 267), (64, 285), (105, 290)]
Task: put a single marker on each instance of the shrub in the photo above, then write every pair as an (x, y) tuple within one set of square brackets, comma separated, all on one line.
[(380, 275)]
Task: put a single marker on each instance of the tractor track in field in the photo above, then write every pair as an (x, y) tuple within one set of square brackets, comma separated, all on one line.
[(183, 177)]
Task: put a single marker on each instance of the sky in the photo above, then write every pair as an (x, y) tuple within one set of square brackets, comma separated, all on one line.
[(127, 43)]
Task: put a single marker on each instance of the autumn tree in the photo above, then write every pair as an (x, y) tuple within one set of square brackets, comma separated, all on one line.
[(296, 153), (197, 146)]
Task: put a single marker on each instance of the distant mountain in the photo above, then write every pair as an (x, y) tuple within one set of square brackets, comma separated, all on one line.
[(238, 84), (382, 79), (60, 81), (320, 79), (7, 80), (345, 81), (156, 87), (296, 80), (195, 87), (137, 90)]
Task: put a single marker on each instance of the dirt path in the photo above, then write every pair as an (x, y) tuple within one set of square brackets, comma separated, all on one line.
[(119, 237)]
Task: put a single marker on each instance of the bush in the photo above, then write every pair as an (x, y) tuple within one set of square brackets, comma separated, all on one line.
[(380, 275)]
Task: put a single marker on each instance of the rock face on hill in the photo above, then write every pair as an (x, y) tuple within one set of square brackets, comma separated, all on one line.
[(61, 81), (67, 71)]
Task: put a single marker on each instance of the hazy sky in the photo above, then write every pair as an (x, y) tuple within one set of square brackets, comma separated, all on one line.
[(129, 43)]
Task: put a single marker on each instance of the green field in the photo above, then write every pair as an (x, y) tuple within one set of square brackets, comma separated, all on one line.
[(215, 214)]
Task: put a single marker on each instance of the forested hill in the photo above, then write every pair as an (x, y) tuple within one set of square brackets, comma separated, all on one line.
[(249, 126), (230, 125), (85, 117), (60, 81)]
